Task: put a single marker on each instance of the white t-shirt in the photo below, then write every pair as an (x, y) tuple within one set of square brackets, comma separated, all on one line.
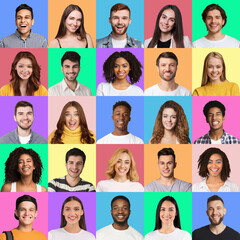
[(106, 89), (219, 141), (62, 234), (110, 233), (156, 91), (119, 43), (125, 139), (226, 42), (177, 234), (25, 140), (113, 186)]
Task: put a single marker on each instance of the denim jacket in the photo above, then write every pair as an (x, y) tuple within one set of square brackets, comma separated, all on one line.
[(106, 42)]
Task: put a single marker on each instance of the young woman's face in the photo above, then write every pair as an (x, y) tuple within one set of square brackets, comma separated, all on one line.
[(214, 69), (72, 212), (167, 212), (215, 165), (73, 21), (121, 68), (25, 165), (169, 119), (122, 165), (24, 68), (167, 21), (72, 118)]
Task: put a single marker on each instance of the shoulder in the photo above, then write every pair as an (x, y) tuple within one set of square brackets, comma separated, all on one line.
[(146, 42), (85, 90), (232, 232), (50, 137), (42, 91), (39, 235), (198, 42), (151, 235), (136, 139), (201, 230), (200, 91), (9, 138), (150, 187), (102, 88), (184, 186), (198, 187), (201, 139), (135, 232), (40, 39), (185, 234), (105, 138), (37, 138), (136, 43), (233, 187), (6, 90), (187, 42), (184, 91), (54, 43), (87, 235), (134, 90), (102, 41), (105, 230), (6, 187), (89, 41), (233, 40)]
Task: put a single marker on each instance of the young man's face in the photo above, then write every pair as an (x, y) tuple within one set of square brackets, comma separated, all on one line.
[(24, 21), (74, 166), (26, 213), (167, 69), (214, 21), (166, 166), (119, 21), (70, 70), (121, 118), (24, 117), (216, 212), (215, 118), (120, 211)]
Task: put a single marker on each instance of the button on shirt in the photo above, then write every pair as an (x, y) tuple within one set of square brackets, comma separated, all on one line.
[(15, 40), (62, 89)]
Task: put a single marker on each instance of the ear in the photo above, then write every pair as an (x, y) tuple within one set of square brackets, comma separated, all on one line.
[(225, 210), (32, 21), (175, 164), (130, 20), (14, 118), (36, 214), (224, 118), (62, 69), (16, 213), (157, 69), (109, 20)]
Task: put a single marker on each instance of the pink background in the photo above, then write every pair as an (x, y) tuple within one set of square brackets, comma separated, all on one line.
[(152, 8), (56, 104), (231, 124), (9, 54), (232, 151), (105, 152), (8, 206)]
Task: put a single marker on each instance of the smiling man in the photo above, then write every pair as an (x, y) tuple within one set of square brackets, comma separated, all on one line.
[(215, 19), (167, 182), (120, 211), (121, 118), (75, 161), (167, 63), (214, 112), (23, 36), (23, 134), (216, 230), (69, 86), (25, 213), (119, 20)]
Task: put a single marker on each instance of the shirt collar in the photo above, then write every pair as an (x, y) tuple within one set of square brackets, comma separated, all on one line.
[(19, 35), (65, 86)]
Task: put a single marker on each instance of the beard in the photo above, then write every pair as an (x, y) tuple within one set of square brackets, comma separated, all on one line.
[(121, 223), (24, 128), (216, 223), (114, 29), (170, 79)]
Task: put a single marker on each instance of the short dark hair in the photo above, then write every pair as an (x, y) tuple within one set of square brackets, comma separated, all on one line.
[(76, 152), (24, 198), (213, 104), (22, 104), (167, 55), (203, 162), (23, 6), (214, 198), (214, 7), (72, 56), (120, 197), (122, 103), (166, 152), (118, 7)]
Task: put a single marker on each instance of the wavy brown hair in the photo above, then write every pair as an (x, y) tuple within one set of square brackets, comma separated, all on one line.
[(86, 136), (33, 81), (132, 174), (181, 129)]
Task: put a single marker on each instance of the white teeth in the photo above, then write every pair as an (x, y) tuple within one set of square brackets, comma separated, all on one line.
[(215, 123)]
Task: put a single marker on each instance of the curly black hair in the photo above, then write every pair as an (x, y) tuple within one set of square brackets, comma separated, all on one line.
[(134, 74), (11, 165)]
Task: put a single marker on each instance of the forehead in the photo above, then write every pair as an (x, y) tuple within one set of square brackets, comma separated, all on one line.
[(25, 156), (214, 13), (121, 108), (215, 156), (167, 204), (75, 159), (169, 13), (72, 203), (124, 156), (169, 111), (215, 203), (70, 63), (120, 202), (71, 109), (214, 110), (121, 60), (165, 158), (75, 13), (213, 60), (163, 60), (24, 109), (27, 205), (23, 12), (24, 61), (120, 13)]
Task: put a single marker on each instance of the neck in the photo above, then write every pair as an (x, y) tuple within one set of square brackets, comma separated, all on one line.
[(120, 227), (168, 86), (215, 36), (118, 37), (216, 134), (118, 178), (169, 133), (71, 84), (72, 181), (70, 34), (217, 229), (118, 132), (165, 36), (167, 228), (214, 180), (167, 181), (23, 133), (25, 228), (72, 228), (26, 180)]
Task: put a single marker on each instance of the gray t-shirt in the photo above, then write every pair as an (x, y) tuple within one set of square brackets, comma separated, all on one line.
[(177, 186)]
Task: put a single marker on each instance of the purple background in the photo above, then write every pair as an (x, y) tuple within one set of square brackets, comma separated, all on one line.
[(103, 54), (40, 108), (55, 201)]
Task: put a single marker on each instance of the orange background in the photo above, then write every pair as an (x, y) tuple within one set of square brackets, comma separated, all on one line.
[(184, 70), (183, 157), (55, 11)]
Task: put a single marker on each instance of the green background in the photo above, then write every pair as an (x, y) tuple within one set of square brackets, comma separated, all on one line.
[(184, 201), (41, 149), (87, 74), (232, 11)]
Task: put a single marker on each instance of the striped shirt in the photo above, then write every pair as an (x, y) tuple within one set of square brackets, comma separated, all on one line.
[(61, 185)]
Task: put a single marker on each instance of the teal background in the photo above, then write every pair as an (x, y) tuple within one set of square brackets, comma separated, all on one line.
[(41, 149), (232, 11), (87, 74)]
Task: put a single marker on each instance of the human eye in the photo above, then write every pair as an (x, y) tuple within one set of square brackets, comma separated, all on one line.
[(209, 161), (162, 209), (20, 162)]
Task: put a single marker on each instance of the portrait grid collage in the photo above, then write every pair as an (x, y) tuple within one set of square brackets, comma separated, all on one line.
[(108, 110)]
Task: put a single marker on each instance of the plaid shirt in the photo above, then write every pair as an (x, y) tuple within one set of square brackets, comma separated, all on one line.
[(225, 139)]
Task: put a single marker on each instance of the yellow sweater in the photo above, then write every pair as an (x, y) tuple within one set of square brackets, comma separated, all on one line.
[(70, 137), (7, 90), (20, 235), (225, 88)]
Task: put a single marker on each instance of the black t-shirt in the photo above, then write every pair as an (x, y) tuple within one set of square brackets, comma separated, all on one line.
[(205, 233), (164, 44)]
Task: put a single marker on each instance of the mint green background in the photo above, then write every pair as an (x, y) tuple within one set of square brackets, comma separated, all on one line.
[(41, 149), (231, 8), (184, 201), (87, 74)]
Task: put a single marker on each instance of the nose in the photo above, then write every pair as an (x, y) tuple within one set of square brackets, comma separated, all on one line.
[(120, 210)]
